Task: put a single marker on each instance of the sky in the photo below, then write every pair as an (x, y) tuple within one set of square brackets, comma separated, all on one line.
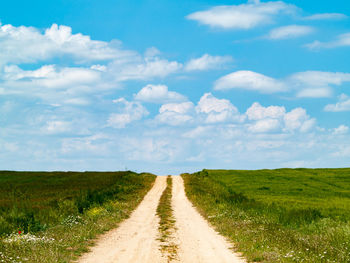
[(174, 86)]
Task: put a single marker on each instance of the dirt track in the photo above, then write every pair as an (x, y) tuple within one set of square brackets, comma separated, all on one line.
[(135, 240), (198, 242)]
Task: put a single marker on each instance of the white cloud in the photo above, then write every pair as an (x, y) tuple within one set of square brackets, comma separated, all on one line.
[(27, 45), (217, 110), (326, 16), (129, 112), (158, 94), (342, 105), (244, 16), (298, 120), (176, 113), (182, 108), (275, 118), (257, 119), (207, 62), (30, 45), (342, 129), (308, 84), (56, 126), (258, 112), (52, 84), (265, 125), (291, 31), (321, 78), (315, 93), (317, 84), (143, 70), (341, 41), (249, 80), (173, 118)]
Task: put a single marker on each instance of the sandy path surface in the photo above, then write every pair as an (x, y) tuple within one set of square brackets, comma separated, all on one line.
[(197, 241), (135, 240)]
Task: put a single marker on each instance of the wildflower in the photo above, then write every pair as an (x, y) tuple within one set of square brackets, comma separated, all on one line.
[(19, 232)]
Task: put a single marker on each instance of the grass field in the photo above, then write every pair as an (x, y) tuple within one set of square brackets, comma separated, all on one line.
[(283, 215), (59, 213)]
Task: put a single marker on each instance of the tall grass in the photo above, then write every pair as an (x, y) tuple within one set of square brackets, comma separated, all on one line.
[(59, 213), (284, 215)]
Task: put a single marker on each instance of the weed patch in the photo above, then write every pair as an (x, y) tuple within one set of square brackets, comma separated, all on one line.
[(167, 223)]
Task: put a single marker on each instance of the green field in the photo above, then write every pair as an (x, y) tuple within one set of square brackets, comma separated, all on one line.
[(283, 215), (59, 213)]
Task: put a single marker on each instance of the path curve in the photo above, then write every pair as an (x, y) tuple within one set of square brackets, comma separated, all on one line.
[(198, 242), (136, 238)]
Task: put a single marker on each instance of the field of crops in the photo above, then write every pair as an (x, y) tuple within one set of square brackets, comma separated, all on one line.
[(52, 216), (283, 215)]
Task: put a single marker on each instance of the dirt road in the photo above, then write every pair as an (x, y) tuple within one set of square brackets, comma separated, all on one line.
[(135, 240), (198, 242)]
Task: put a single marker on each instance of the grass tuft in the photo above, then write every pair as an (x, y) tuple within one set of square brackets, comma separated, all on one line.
[(167, 223)]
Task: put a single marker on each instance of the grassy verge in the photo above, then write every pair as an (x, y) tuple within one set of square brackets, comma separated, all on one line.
[(167, 223), (284, 215), (59, 214)]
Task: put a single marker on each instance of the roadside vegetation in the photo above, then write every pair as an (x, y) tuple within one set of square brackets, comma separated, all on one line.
[(55, 216), (167, 223), (283, 215)]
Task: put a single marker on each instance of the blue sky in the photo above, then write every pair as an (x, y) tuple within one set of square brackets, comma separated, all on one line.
[(170, 87)]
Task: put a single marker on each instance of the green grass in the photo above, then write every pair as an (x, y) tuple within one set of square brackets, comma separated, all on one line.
[(167, 223), (60, 213), (283, 215)]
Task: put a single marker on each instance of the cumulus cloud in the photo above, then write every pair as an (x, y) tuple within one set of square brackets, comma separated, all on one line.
[(28, 45), (298, 120), (207, 62), (158, 94), (71, 84), (326, 16), (249, 80), (342, 105), (291, 31), (276, 119), (176, 113), (129, 111), (342, 40), (209, 110), (52, 84), (244, 16), (217, 110), (258, 112)]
